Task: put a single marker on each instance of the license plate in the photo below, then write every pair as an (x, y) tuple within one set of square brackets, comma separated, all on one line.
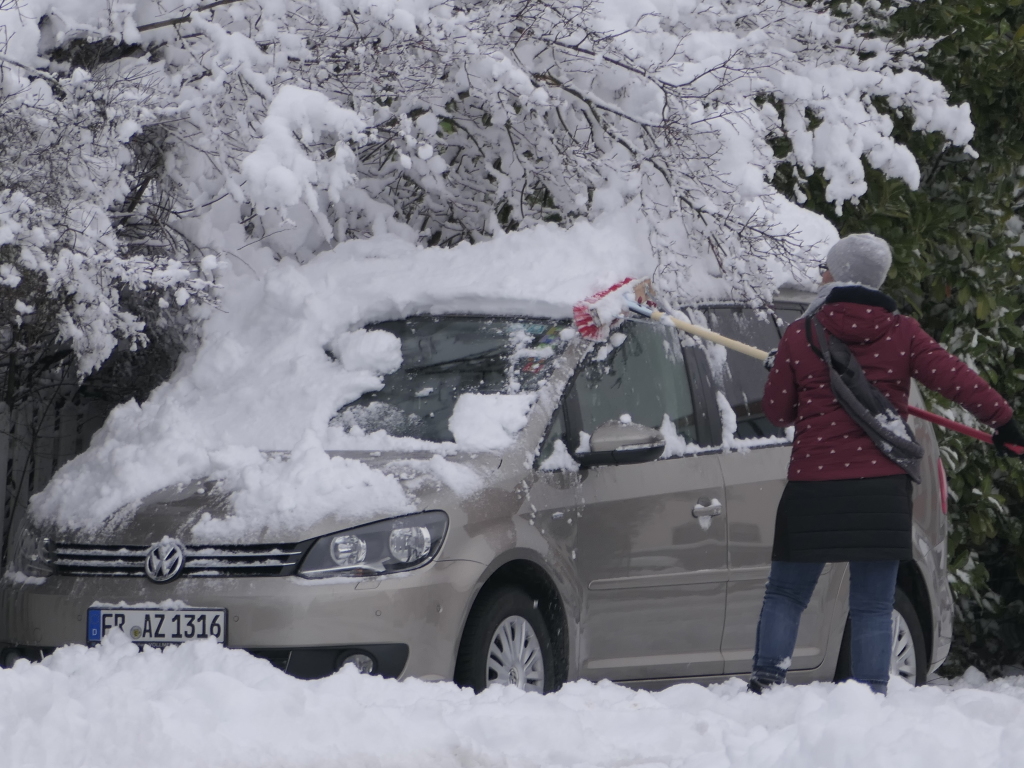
[(155, 626)]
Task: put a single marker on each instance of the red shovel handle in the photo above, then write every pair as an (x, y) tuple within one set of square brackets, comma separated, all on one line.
[(956, 426)]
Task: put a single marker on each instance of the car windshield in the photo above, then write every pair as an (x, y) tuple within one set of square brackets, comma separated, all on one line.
[(445, 357)]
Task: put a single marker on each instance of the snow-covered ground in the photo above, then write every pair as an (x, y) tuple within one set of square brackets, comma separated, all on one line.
[(202, 705)]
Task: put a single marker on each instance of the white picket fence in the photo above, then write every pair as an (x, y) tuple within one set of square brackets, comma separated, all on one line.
[(36, 439)]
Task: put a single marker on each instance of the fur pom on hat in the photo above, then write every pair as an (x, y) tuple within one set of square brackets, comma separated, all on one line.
[(860, 258)]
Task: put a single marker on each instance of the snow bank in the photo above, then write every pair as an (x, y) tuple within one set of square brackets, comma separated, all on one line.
[(199, 704)]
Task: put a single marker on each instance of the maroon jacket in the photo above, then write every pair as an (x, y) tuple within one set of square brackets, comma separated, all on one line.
[(891, 349)]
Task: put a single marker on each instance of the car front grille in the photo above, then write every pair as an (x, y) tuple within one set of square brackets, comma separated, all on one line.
[(246, 560)]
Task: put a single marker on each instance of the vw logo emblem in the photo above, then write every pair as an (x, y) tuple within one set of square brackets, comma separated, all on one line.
[(164, 560)]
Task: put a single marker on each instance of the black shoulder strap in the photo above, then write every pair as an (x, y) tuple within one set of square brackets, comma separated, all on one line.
[(833, 351), (810, 337)]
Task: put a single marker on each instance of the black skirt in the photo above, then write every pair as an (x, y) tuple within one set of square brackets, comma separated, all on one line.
[(836, 521)]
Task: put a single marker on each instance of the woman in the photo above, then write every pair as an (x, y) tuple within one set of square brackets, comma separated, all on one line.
[(845, 501)]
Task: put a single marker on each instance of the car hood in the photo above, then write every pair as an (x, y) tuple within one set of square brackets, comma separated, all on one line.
[(193, 512)]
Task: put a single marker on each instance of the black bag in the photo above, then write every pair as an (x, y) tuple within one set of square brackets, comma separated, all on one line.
[(866, 405)]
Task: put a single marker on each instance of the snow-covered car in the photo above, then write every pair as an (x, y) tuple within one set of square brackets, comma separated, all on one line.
[(624, 533)]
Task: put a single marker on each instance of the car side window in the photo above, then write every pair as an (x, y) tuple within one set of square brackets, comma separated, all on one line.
[(639, 374), (742, 378), (556, 432)]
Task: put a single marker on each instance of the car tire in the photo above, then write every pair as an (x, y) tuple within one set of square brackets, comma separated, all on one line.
[(909, 658), (909, 654), (506, 642)]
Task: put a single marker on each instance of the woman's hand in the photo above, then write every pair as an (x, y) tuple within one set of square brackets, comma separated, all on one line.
[(1010, 434)]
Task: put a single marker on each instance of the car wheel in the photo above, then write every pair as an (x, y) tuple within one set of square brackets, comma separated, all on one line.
[(909, 658), (506, 642)]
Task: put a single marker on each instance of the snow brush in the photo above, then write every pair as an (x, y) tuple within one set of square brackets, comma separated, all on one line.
[(595, 316), (963, 429)]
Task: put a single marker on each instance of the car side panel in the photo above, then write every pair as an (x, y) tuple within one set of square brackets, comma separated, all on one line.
[(655, 575), (930, 547), (754, 481)]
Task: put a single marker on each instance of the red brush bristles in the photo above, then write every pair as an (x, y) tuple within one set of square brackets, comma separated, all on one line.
[(587, 324)]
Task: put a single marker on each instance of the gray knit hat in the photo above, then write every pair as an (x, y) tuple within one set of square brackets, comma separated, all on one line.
[(860, 258)]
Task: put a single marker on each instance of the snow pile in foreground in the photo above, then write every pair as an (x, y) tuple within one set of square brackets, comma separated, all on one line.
[(203, 705)]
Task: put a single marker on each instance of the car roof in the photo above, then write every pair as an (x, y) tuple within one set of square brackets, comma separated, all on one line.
[(788, 295), (794, 295)]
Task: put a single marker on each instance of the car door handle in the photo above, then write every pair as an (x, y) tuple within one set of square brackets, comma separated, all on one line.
[(706, 507)]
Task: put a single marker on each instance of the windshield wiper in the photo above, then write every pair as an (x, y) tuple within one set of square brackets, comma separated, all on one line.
[(498, 362)]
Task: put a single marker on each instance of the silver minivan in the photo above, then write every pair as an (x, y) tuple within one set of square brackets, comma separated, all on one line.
[(625, 534)]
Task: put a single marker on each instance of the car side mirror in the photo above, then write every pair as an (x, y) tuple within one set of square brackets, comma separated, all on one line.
[(617, 442)]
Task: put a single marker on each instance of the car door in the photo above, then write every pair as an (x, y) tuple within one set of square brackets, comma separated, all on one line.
[(754, 468), (651, 548)]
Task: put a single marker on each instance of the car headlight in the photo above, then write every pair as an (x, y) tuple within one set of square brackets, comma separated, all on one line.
[(32, 555), (389, 546)]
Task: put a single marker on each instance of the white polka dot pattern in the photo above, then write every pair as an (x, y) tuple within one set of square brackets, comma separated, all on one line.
[(893, 350)]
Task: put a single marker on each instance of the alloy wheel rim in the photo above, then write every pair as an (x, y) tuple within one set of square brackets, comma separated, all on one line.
[(514, 656), (903, 661)]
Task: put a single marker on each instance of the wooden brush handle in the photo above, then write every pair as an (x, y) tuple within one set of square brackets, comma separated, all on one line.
[(704, 333), (717, 338)]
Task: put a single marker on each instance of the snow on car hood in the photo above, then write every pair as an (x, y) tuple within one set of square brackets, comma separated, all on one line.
[(268, 505)]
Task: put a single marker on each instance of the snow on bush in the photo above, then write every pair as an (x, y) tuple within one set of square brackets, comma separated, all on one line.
[(280, 173), (73, 233), (441, 122)]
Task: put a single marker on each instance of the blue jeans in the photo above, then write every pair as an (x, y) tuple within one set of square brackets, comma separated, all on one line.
[(872, 589)]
